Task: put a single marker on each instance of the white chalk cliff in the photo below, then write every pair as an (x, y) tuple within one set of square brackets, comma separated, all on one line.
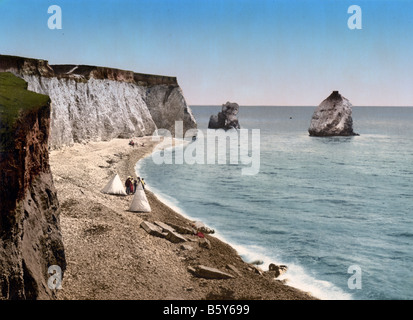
[(333, 117), (98, 103)]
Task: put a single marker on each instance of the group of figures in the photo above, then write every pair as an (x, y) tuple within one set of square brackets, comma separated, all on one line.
[(133, 143), (132, 184)]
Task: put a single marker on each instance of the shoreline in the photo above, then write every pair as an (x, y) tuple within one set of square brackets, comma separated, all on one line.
[(109, 256), (247, 254)]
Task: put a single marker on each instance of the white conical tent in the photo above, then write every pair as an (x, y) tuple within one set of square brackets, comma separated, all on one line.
[(140, 202), (115, 186)]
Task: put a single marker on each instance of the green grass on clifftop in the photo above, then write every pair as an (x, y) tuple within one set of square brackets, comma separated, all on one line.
[(14, 99)]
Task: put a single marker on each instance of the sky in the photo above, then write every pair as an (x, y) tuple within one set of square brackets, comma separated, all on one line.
[(253, 52)]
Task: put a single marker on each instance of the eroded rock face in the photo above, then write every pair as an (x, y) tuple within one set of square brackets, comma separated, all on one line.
[(30, 237), (333, 117), (226, 118), (93, 110), (166, 104), (98, 103)]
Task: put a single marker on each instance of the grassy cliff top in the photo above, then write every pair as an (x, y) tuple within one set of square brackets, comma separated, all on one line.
[(14, 99), (79, 73)]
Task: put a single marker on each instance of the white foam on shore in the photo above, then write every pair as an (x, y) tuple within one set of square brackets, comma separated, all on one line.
[(296, 276)]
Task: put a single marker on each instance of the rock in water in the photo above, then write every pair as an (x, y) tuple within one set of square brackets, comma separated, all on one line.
[(277, 270), (227, 118), (332, 117), (30, 235)]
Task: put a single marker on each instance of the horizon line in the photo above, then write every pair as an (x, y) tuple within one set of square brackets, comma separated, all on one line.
[(301, 106)]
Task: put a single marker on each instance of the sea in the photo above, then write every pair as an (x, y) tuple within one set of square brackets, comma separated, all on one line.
[(338, 211)]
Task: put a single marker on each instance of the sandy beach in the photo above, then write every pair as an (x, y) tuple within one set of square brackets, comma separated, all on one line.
[(110, 256)]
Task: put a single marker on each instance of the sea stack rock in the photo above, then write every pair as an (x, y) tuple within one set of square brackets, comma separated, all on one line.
[(227, 118), (30, 237), (332, 117)]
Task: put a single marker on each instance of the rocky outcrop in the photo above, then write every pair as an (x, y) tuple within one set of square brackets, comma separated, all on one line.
[(152, 229), (277, 270), (97, 103), (175, 237), (333, 117), (210, 273), (166, 104), (30, 238), (204, 243), (201, 227), (226, 118)]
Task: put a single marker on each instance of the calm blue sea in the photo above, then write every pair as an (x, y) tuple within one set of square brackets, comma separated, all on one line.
[(318, 205)]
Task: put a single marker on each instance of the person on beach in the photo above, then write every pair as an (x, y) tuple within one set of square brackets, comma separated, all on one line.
[(131, 143), (131, 185), (140, 181), (135, 184), (128, 185)]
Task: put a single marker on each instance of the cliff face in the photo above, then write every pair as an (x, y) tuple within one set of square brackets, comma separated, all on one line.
[(98, 103), (333, 117), (30, 238), (93, 110), (88, 103), (167, 104)]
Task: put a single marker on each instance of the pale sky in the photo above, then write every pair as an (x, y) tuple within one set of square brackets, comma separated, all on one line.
[(253, 52)]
